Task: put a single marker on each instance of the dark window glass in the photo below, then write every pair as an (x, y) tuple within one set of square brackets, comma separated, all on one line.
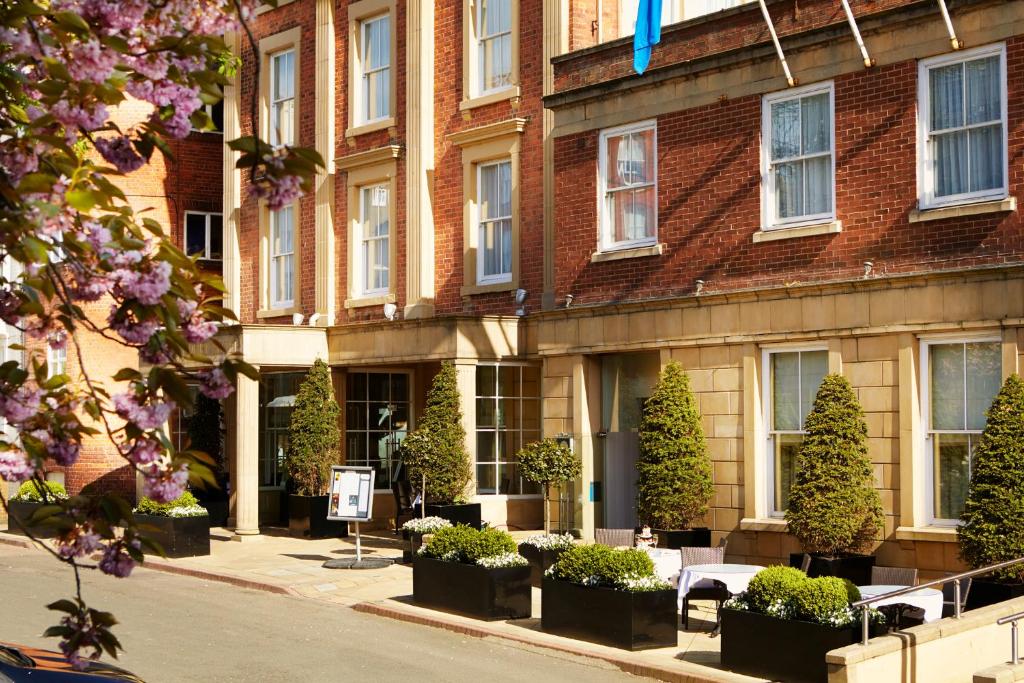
[(216, 237), (195, 234)]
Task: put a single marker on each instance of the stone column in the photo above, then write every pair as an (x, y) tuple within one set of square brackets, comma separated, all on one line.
[(244, 435), (232, 267), (324, 182), (419, 160)]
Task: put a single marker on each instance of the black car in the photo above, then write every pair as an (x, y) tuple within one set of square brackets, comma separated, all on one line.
[(19, 663)]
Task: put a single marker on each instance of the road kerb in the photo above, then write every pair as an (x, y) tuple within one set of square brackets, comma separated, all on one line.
[(483, 630), (169, 568)]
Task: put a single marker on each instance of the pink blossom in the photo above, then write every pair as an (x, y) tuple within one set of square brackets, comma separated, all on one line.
[(132, 332), (15, 466), (143, 416), (195, 328), (147, 286), (79, 542), (116, 560), (21, 405), (165, 486), (63, 451), (278, 191), (120, 153), (214, 384), (91, 61), (72, 116), (145, 451)]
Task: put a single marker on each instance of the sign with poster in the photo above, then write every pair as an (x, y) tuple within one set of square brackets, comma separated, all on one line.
[(351, 494)]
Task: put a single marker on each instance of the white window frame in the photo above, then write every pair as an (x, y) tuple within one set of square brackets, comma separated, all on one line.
[(925, 156), (275, 256), (478, 224), (480, 77), (205, 256), (769, 216), (272, 131), (362, 90), (768, 440), (476, 429), (362, 279), (605, 226), (380, 486), (926, 416), (56, 361)]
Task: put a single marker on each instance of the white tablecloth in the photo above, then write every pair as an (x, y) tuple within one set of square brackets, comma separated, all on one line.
[(666, 564), (734, 576), (928, 599)]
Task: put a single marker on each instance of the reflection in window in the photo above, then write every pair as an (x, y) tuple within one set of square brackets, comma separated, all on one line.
[(507, 417), (376, 422), (277, 401)]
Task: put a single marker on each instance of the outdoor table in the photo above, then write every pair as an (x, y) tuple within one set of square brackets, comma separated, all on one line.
[(666, 563), (734, 576), (928, 599)]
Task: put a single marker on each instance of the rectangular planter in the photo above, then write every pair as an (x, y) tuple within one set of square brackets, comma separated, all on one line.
[(217, 510), (781, 649), (23, 512), (631, 621), (856, 568), (464, 513), (415, 540), (683, 538), (986, 591), (474, 591), (179, 536), (540, 561), (307, 518)]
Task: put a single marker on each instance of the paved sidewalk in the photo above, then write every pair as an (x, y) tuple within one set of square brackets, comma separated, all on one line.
[(279, 563)]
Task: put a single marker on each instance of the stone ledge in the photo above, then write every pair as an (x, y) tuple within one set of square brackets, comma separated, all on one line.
[(764, 524), (635, 252), (772, 234), (1001, 673), (976, 209), (938, 534)]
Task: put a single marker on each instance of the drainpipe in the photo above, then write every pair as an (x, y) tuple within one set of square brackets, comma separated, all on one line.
[(868, 62), (953, 40), (778, 46)]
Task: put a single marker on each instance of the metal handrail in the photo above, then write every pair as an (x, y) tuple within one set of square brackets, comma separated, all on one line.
[(865, 603), (1012, 621)]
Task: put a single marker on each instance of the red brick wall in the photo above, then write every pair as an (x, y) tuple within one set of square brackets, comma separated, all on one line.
[(709, 199), (692, 40)]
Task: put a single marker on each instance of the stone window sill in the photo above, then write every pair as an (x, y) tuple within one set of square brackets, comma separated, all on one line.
[(377, 300), (277, 312), (976, 209), (764, 524), (490, 98), (370, 127), (772, 234), (619, 254), (488, 287), (939, 534)]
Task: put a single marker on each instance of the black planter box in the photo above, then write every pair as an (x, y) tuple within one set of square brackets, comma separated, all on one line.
[(683, 538), (218, 511), (307, 518), (469, 589), (781, 649), (23, 512), (856, 568), (631, 621), (540, 561), (464, 513), (415, 541), (987, 591), (178, 536)]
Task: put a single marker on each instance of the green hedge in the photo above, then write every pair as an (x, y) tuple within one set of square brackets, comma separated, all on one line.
[(599, 565), (465, 544), (819, 600), (773, 586), (185, 505), (29, 492), (788, 593)]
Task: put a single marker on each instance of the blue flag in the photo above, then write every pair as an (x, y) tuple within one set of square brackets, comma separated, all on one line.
[(648, 32)]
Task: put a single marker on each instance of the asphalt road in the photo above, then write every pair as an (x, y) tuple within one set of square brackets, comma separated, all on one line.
[(177, 629)]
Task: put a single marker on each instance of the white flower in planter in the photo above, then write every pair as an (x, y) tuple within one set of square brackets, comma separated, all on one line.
[(503, 560), (426, 525), (551, 541)]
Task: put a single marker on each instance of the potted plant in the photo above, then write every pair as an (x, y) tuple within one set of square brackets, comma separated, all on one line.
[(414, 530), (473, 572), (548, 463), (674, 484), (834, 509), (205, 435), (313, 439), (991, 527), (784, 624), (31, 497), (542, 551), (180, 527), (608, 596), (436, 455)]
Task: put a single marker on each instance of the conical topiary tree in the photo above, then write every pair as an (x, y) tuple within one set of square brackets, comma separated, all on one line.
[(435, 452), (833, 505), (674, 485), (313, 435), (992, 525), (548, 463)]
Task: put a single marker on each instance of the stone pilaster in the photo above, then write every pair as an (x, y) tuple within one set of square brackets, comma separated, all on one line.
[(325, 290)]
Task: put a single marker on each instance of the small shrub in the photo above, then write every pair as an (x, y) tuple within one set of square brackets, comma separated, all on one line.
[(548, 463), (598, 565), (852, 592), (623, 564), (29, 492), (820, 600), (185, 505), (465, 544), (834, 507), (773, 587), (992, 525), (581, 564), (674, 483)]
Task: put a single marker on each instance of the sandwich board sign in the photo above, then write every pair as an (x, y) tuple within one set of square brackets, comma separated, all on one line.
[(351, 500)]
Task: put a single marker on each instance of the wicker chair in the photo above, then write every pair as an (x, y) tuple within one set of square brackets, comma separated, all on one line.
[(615, 537), (805, 563), (717, 592), (893, 576)]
